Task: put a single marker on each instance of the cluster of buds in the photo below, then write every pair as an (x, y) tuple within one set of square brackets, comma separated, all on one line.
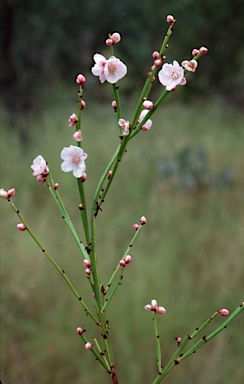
[(7, 194), (155, 308), (87, 264), (126, 260), (113, 39)]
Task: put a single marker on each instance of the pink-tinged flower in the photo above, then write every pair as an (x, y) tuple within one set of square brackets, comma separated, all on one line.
[(171, 75), (11, 192), (3, 194), (39, 166), (82, 104), (143, 220), (155, 308), (147, 125), (98, 68), (88, 345), (190, 66), (170, 19), (73, 119), (79, 330), (74, 160), (77, 136), (128, 259), (21, 227), (125, 125), (114, 70), (223, 312), (80, 79), (116, 37)]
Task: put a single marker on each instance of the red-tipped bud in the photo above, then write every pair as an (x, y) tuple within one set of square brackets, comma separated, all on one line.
[(41, 179), (110, 173), (128, 259), (88, 271), (84, 177), (79, 330), (155, 55), (195, 52), (148, 104), (109, 42), (77, 136), (88, 345), (81, 207), (21, 227), (80, 79), (11, 192), (143, 220), (87, 263), (122, 263), (73, 119), (55, 186), (114, 104), (157, 62), (203, 50), (223, 312), (135, 226), (116, 37), (160, 310), (82, 104), (170, 19)]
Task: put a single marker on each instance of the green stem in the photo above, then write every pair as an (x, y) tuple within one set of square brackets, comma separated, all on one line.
[(158, 347), (97, 355), (83, 211)]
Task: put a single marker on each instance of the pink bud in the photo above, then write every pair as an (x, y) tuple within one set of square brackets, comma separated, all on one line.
[(224, 312), (73, 119), (77, 136), (195, 52), (41, 179), (21, 227), (143, 220), (179, 340), (157, 62), (11, 192), (122, 263), (88, 271), (148, 307), (3, 194), (170, 19), (80, 207), (110, 173), (80, 79), (160, 310), (82, 104), (154, 304), (145, 128), (135, 226), (55, 186), (114, 104), (128, 259), (88, 345), (87, 263), (148, 104), (203, 50), (109, 42), (155, 54), (116, 37), (84, 177), (79, 330)]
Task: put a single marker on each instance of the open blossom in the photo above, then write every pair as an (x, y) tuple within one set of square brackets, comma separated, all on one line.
[(111, 70), (147, 125), (125, 125), (190, 66), (73, 119), (39, 166), (171, 75), (74, 160)]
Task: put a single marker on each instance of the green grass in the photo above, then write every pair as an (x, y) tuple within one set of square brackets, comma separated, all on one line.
[(189, 256)]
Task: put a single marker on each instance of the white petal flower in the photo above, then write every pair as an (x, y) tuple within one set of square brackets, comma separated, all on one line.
[(98, 68), (114, 70), (74, 160), (147, 125), (190, 66), (39, 166), (171, 75)]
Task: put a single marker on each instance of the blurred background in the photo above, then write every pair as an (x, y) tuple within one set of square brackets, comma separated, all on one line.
[(185, 175)]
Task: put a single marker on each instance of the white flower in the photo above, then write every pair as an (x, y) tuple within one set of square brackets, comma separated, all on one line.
[(171, 75), (125, 125), (39, 166), (74, 160), (111, 70), (190, 66), (147, 125)]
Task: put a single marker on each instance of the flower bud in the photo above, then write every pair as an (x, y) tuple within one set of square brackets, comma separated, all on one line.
[(80, 79), (79, 330), (160, 310), (11, 192), (155, 55), (73, 119), (87, 263), (55, 186), (203, 50), (84, 177), (128, 259), (223, 312), (157, 62), (170, 19), (195, 52), (122, 263), (135, 226), (77, 136), (143, 220), (116, 37), (81, 207), (88, 345), (3, 194), (21, 227), (109, 42), (88, 271), (148, 104), (82, 104)]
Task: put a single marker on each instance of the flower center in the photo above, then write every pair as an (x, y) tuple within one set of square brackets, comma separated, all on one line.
[(174, 75), (111, 67), (76, 160)]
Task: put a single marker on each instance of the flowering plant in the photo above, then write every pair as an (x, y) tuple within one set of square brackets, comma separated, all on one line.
[(112, 70)]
